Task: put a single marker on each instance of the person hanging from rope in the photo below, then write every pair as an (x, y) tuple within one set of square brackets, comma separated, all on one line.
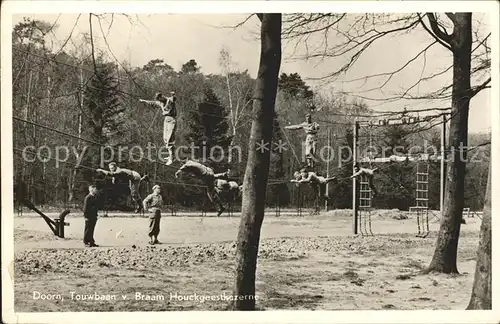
[(398, 158), (229, 187), (133, 177), (208, 177), (358, 171), (311, 128), (168, 108), (317, 182)]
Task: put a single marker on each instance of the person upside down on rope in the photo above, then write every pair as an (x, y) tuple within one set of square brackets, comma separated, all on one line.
[(133, 177), (318, 183), (358, 171), (167, 106), (208, 177)]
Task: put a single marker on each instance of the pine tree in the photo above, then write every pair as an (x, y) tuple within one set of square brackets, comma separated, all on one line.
[(208, 130), (208, 133), (102, 123), (278, 193), (294, 85)]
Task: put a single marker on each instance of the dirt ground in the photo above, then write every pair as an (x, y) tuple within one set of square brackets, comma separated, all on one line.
[(311, 262)]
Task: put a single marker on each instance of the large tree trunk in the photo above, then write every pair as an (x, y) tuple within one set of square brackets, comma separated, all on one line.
[(257, 169), (445, 254), (481, 289)]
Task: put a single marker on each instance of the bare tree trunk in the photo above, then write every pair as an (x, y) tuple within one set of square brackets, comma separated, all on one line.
[(72, 177), (257, 169), (481, 289), (445, 254), (31, 182)]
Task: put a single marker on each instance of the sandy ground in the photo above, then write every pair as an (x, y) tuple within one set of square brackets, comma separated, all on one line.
[(312, 262)]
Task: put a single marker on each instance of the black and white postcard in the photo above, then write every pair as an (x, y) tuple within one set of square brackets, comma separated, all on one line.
[(183, 161)]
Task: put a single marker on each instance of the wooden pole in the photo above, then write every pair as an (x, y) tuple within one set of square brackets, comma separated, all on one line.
[(328, 167), (443, 171), (354, 181)]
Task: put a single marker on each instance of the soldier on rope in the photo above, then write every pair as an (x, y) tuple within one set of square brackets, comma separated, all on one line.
[(133, 177), (358, 171), (168, 108), (317, 182), (311, 128), (208, 177)]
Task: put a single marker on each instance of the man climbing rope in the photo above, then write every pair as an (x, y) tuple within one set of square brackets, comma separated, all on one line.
[(318, 183), (311, 130), (167, 106), (208, 177), (133, 177), (369, 174)]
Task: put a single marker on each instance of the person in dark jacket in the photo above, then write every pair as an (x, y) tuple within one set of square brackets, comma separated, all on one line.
[(90, 208)]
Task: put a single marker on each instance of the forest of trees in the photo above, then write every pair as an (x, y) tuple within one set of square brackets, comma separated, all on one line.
[(87, 95)]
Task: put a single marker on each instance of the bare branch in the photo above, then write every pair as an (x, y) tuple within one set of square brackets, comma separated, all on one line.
[(391, 74), (92, 43), (288, 33), (244, 21), (451, 16), (69, 36), (131, 78), (432, 34), (479, 145), (110, 24), (357, 41), (475, 90), (441, 34)]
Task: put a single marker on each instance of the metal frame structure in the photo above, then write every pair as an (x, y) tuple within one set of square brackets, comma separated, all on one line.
[(405, 120), (365, 206), (422, 200)]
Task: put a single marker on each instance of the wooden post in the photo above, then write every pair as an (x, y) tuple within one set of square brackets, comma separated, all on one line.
[(328, 168), (354, 180), (443, 171)]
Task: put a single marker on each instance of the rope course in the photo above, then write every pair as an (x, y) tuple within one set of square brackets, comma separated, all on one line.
[(173, 209), (421, 210), (365, 203), (422, 200), (143, 88), (365, 206)]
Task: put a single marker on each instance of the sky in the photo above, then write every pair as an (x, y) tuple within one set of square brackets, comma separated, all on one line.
[(177, 38)]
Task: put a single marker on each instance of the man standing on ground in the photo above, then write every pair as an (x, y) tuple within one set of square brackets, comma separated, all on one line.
[(153, 203), (167, 106), (90, 207)]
